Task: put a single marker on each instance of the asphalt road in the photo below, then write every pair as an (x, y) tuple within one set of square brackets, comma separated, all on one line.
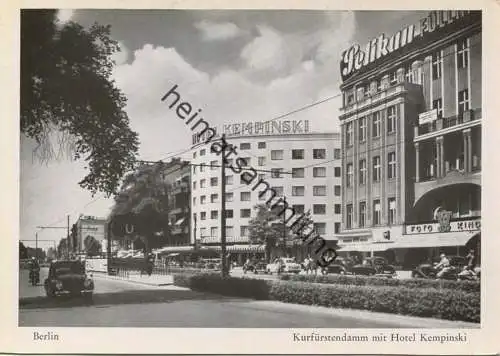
[(123, 304)]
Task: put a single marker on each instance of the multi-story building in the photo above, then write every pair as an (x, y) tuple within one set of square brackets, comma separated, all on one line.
[(90, 235), (411, 139), (299, 165)]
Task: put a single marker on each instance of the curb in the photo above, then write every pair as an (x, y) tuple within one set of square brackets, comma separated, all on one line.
[(105, 276)]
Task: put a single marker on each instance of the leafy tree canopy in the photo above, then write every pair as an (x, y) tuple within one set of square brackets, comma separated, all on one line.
[(66, 87)]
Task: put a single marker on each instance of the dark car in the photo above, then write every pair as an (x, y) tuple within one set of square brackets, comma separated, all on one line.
[(427, 270), (374, 266), (255, 267), (339, 266), (68, 278)]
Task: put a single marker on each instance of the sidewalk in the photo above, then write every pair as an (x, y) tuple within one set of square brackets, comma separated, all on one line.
[(153, 280), (405, 321)]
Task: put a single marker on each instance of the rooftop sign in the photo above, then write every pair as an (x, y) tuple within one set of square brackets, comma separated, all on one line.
[(285, 127), (354, 59)]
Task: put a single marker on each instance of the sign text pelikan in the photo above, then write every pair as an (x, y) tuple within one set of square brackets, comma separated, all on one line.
[(353, 59)]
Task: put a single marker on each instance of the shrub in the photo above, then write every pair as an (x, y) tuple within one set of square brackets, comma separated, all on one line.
[(466, 286), (423, 302), (231, 286)]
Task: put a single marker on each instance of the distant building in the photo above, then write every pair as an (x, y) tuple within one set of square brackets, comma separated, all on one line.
[(411, 139), (91, 234)]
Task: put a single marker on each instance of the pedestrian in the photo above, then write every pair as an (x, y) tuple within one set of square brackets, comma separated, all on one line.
[(443, 265), (471, 259)]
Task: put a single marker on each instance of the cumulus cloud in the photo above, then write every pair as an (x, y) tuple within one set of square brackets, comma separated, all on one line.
[(65, 15), (213, 31)]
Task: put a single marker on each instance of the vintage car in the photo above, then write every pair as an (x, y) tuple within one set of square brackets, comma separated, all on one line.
[(374, 266), (255, 267), (286, 265), (428, 270), (212, 263), (68, 278), (339, 266)]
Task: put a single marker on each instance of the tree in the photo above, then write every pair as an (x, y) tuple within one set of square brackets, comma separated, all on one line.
[(143, 202), (92, 246), (62, 248), (23, 252), (66, 88), (266, 228)]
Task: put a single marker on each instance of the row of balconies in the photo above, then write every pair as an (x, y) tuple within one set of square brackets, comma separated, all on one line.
[(446, 122)]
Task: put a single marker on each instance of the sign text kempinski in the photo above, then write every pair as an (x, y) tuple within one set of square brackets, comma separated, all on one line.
[(353, 59), (260, 128)]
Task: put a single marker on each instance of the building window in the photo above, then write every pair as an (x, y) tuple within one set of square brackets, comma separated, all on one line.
[(229, 180), (337, 208), (336, 153), (244, 231), (194, 185), (194, 154), (376, 168), (202, 168), (213, 231), (277, 155), (320, 228), (203, 232), (203, 199), (391, 119), (214, 181), (261, 145), (245, 146), (348, 220), (276, 172), (194, 170), (319, 172), (376, 124), (362, 214), (319, 153), (391, 165), (229, 197), (337, 227), (437, 65), (203, 183), (194, 200), (392, 211), (245, 213), (203, 215), (298, 191), (245, 196), (297, 172), (438, 105), (337, 190), (463, 101), (462, 54), (262, 161), (348, 134), (214, 214), (213, 165), (393, 77), (350, 98), (229, 231), (297, 154), (214, 198), (319, 190), (278, 191), (337, 172), (202, 152), (362, 171), (229, 214), (376, 212), (319, 209), (298, 208), (362, 129), (349, 175)]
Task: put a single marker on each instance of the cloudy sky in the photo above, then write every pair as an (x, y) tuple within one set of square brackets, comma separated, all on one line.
[(236, 66)]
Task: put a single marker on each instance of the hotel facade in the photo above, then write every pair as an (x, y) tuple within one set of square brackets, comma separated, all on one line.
[(301, 166), (411, 140)]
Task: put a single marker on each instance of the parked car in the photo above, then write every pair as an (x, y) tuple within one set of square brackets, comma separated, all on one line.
[(428, 270), (374, 266), (339, 266), (68, 278), (287, 265), (212, 263), (254, 267)]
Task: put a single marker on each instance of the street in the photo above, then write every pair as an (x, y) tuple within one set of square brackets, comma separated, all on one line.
[(120, 303), (124, 304)]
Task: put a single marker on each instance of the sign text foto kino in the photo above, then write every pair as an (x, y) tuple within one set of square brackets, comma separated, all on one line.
[(260, 128), (455, 226), (354, 58)]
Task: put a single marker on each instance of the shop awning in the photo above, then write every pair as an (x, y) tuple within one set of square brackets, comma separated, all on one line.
[(366, 247), (443, 239), (175, 249), (242, 248), (180, 221)]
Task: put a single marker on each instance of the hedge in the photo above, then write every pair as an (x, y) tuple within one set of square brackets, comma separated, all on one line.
[(424, 302), (466, 286)]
